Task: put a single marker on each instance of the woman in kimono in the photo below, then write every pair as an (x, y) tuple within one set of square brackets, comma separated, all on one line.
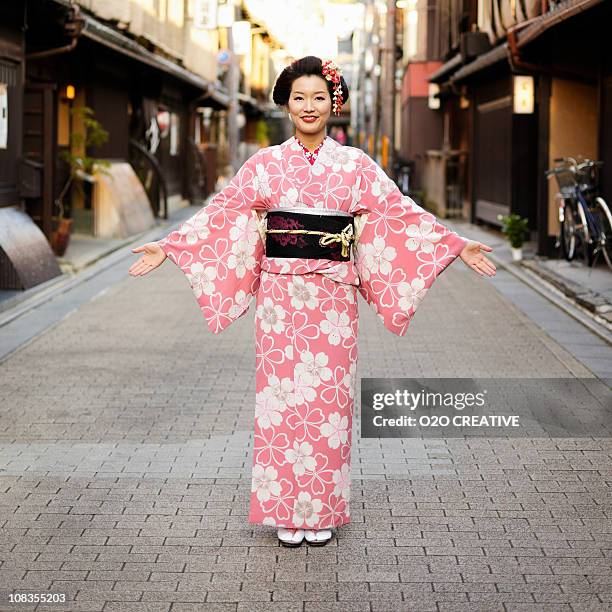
[(304, 226)]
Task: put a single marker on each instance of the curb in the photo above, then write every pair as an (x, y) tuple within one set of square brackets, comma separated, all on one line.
[(69, 271), (584, 305), (591, 300), (597, 324), (19, 305)]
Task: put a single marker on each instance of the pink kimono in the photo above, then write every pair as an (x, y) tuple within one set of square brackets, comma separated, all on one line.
[(306, 310)]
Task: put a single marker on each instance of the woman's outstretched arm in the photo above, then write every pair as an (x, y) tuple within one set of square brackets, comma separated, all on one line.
[(402, 248), (218, 249)]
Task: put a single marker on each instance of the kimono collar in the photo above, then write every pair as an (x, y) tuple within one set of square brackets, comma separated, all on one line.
[(311, 156), (328, 141)]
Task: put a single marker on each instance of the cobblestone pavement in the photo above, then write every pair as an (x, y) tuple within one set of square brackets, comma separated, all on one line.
[(126, 454)]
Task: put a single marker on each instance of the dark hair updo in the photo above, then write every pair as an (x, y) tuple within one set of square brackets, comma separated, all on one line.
[(306, 66)]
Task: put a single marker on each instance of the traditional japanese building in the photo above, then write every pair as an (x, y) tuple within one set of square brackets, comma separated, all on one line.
[(492, 93)]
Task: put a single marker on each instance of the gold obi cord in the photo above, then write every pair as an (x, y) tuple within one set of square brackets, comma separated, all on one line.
[(345, 236)]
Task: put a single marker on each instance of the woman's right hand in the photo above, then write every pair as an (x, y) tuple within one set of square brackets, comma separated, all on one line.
[(153, 257)]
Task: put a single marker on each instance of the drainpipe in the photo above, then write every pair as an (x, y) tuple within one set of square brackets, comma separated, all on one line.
[(73, 27), (514, 55)]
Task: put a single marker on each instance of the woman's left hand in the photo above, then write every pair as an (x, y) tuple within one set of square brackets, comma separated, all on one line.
[(473, 258)]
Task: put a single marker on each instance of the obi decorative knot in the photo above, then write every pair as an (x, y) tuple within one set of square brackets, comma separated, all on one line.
[(309, 234)]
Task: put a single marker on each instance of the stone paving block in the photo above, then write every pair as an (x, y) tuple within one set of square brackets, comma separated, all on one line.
[(253, 595), (76, 606), (267, 607), (106, 594), (140, 606), (129, 585), (203, 607), (344, 606), (496, 599)]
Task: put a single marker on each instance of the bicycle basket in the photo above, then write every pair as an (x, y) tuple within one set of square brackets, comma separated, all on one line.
[(566, 180)]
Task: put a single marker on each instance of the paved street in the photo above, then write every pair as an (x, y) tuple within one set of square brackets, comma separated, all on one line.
[(126, 455)]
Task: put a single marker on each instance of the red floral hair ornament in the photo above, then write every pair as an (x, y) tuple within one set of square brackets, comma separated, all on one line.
[(333, 73)]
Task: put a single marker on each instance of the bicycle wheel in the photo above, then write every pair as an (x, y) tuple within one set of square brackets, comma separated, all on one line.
[(584, 238), (568, 231), (605, 221), (590, 225)]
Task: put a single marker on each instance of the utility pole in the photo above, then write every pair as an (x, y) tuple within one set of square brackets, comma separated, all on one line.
[(388, 90), (233, 79), (358, 107), (365, 44), (374, 123)]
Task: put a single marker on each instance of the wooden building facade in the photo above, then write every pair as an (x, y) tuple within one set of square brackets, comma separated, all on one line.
[(480, 58), (162, 119)]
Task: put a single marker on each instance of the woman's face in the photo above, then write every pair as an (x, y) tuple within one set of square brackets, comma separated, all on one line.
[(309, 104)]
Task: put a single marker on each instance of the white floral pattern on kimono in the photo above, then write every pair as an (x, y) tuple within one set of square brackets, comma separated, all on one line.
[(306, 316)]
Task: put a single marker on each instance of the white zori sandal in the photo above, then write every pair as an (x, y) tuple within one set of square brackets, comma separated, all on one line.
[(290, 537), (318, 537)]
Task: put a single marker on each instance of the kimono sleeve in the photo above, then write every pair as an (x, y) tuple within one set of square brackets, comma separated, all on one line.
[(400, 250), (219, 249)]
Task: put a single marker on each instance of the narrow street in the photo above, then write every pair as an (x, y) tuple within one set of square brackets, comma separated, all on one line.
[(126, 457)]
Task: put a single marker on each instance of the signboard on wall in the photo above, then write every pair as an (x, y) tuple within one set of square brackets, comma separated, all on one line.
[(205, 14)]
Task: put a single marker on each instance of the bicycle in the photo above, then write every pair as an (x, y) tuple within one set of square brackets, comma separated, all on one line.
[(584, 216)]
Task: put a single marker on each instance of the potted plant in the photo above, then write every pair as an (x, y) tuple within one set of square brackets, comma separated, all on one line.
[(516, 229), (83, 167), (61, 225)]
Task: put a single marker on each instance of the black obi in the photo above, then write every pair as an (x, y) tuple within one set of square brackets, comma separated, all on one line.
[(306, 246)]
